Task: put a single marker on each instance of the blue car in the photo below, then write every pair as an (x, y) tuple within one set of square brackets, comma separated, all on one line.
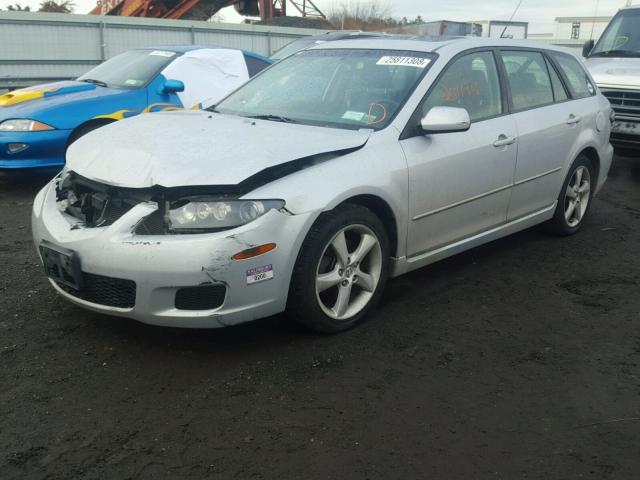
[(37, 124)]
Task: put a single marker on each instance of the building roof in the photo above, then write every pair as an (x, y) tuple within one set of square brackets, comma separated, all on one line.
[(583, 19)]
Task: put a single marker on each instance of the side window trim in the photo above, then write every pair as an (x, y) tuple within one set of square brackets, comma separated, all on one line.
[(411, 128), (563, 82)]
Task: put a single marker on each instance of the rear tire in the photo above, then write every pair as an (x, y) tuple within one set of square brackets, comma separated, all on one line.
[(341, 270), (574, 200)]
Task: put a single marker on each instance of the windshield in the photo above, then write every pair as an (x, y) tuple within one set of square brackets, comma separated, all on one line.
[(622, 36), (131, 69), (343, 88)]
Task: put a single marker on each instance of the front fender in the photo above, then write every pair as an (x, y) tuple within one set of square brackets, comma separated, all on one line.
[(378, 169)]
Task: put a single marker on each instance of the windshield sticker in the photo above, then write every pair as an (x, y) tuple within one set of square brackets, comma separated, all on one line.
[(162, 53), (404, 61), (355, 116), (259, 274)]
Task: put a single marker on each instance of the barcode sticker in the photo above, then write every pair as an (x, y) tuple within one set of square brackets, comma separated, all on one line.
[(417, 62)]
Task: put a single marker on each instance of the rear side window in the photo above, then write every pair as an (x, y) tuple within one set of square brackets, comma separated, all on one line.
[(528, 79), (559, 92), (470, 82), (581, 86)]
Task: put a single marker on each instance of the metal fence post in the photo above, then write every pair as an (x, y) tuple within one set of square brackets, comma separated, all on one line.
[(103, 45)]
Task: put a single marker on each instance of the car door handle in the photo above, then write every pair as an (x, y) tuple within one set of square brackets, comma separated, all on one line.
[(573, 119), (503, 141)]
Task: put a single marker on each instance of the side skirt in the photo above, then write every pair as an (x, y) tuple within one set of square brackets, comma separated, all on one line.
[(404, 265)]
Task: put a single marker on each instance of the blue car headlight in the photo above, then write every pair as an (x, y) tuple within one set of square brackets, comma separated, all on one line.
[(24, 125), (207, 215)]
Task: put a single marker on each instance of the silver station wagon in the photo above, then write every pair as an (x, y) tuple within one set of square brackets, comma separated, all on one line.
[(311, 185)]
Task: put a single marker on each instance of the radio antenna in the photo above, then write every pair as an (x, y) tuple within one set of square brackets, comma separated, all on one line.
[(511, 19), (593, 23)]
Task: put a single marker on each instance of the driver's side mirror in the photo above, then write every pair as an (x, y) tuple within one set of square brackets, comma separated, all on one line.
[(587, 47), (445, 120), (173, 86)]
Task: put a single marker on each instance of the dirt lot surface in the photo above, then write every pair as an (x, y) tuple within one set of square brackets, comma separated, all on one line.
[(520, 359)]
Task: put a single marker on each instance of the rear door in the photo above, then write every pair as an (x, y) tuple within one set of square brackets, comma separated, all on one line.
[(547, 125), (460, 183)]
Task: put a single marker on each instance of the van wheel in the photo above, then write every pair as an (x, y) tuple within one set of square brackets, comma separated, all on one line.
[(575, 198), (341, 270)]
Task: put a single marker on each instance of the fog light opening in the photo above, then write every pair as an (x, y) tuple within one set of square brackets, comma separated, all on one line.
[(254, 251), (16, 147)]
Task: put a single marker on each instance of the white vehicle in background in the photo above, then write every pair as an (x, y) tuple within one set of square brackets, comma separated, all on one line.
[(614, 63)]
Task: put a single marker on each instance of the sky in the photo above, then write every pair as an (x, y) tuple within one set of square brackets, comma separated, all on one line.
[(539, 13)]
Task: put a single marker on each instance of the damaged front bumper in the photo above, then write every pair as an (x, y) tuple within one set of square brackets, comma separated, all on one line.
[(164, 279)]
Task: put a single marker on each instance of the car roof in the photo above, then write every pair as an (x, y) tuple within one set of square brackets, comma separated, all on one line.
[(189, 48), (450, 45)]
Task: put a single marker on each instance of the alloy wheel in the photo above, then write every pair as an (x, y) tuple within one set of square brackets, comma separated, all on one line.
[(577, 196), (348, 272)]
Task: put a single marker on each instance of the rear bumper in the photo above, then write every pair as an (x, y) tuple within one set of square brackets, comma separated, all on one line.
[(40, 149)]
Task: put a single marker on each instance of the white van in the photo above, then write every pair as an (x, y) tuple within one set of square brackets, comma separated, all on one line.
[(614, 63)]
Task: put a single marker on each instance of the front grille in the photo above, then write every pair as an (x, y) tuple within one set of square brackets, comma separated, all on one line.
[(107, 291), (626, 103), (203, 297)]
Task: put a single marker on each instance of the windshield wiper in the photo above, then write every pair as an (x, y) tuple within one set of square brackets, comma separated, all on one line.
[(616, 53), (100, 83), (275, 118)]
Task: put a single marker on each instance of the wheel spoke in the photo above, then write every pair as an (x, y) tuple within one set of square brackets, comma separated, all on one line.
[(585, 188), (579, 211), (568, 214), (339, 245), (342, 303), (325, 281), (366, 281), (367, 242), (570, 192), (578, 177)]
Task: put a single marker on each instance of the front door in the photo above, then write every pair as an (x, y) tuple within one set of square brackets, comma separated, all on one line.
[(460, 183)]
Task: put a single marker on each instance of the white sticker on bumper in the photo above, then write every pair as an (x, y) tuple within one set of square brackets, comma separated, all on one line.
[(259, 274)]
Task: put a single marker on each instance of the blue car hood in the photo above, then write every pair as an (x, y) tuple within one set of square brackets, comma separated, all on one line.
[(45, 102)]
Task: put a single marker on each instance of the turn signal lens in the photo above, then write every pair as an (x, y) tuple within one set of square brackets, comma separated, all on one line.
[(254, 252), (39, 126)]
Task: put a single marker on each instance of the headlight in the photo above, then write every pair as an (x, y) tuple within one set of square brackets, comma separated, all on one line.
[(23, 125), (200, 215)]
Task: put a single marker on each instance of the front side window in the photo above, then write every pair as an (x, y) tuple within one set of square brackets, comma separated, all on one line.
[(341, 88), (581, 86), (470, 82), (133, 69), (528, 78)]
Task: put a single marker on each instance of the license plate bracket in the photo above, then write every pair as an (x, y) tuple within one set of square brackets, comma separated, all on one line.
[(61, 265)]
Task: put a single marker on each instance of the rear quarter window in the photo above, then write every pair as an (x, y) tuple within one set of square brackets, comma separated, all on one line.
[(577, 78)]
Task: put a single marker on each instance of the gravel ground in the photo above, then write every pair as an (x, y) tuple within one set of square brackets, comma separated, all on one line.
[(520, 359)]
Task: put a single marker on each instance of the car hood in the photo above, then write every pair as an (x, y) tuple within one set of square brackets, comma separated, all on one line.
[(615, 72), (195, 148), (32, 101)]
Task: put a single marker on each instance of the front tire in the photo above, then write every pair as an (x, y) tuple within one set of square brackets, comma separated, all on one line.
[(341, 270), (575, 198)]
